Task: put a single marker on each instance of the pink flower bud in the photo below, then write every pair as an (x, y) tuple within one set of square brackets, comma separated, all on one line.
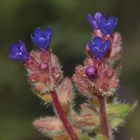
[(44, 71), (102, 84)]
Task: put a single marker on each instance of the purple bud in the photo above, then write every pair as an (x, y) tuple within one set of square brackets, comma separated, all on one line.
[(91, 72)]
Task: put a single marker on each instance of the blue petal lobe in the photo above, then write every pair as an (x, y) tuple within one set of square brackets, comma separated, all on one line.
[(37, 32)]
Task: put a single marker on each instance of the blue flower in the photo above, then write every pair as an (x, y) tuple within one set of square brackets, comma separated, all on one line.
[(99, 21), (42, 38), (98, 48), (107, 25), (94, 20), (18, 51)]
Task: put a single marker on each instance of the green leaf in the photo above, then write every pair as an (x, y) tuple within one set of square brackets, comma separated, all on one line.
[(84, 137), (119, 110), (115, 122), (117, 113), (100, 137)]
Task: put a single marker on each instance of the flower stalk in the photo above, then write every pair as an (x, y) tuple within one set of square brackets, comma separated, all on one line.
[(105, 128), (63, 117)]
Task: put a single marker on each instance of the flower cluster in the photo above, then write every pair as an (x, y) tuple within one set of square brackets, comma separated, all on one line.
[(44, 70), (103, 28), (93, 79), (97, 76), (100, 22), (97, 79), (44, 75), (40, 38)]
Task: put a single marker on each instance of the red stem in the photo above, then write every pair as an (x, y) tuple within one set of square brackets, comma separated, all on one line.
[(63, 117), (103, 117)]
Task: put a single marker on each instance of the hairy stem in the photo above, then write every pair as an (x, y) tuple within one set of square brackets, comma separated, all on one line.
[(63, 117), (103, 118)]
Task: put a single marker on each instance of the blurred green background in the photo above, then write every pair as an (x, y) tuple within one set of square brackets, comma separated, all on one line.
[(18, 18)]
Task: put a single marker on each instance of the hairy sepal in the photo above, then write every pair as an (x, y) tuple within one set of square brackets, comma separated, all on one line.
[(88, 119), (51, 127), (65, 93)]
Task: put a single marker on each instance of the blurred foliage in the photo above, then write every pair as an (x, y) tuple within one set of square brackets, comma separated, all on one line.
[(18, 106)]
